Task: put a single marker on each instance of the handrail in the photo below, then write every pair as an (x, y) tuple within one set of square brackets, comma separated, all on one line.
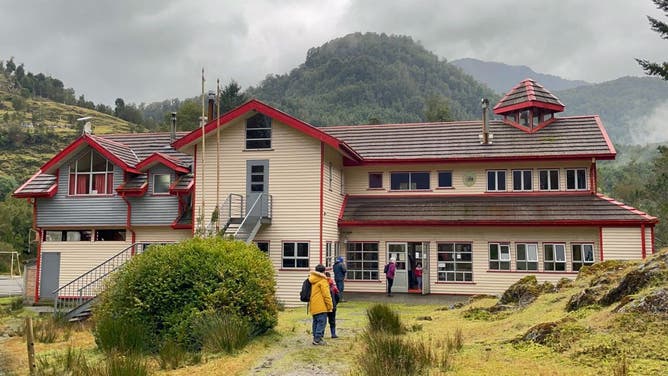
[(248, 213)]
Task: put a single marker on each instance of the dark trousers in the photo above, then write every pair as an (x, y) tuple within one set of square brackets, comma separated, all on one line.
[(339, 285), (331, 318), (319, 323), (390, 282)]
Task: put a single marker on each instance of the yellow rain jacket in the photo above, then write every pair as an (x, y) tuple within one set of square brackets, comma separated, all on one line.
[(321, 299)]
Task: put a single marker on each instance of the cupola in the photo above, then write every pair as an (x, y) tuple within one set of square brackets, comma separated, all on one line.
[(528, 106)]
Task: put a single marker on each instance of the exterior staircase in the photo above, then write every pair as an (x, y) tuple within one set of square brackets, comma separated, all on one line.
[(244, 225)]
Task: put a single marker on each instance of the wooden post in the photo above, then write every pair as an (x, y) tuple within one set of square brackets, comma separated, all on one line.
[(30, 339)]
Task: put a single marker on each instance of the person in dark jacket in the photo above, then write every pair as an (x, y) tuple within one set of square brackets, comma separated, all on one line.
[(340, 272)]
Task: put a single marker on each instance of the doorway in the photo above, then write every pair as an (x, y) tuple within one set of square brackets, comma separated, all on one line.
[(50, 275)]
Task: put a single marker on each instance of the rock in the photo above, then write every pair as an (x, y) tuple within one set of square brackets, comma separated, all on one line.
[(632, 282), (564, 283), (584, 298), (500, 307), (656, 303), (540, 333), (522, 292)]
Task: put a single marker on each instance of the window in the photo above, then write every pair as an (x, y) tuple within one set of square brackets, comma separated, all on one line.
[(328, 255), (91, 175), (576, 179), (555, 257), (375, 180), (549, 180), (257, 178), (362, 261), (455, 262), (527, 256), (583, 254), (258, 132), (67, 235), (445, 179), (409, 181), (110, 235), (496, 180), (263, 246), (522, 180), (295, 255), (161, 183), (499, 256)]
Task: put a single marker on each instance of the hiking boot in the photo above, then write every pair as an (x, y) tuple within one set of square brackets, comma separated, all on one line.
[(319, 343), (335, 336)]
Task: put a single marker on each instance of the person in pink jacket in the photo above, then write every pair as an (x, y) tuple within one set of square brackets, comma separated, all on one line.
[(389, 275)]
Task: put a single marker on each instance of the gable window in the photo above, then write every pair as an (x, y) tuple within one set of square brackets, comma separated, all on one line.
[(91, 174), (362, 261), (527, 256), (522, 180), (496, 180), (549, 180), (161, 183), (258, 132), (295, 255), (583, 254), (455, 262), (576, 179), (375, 180), (555, 257), (445, 179), (409, 181), (499, 256)]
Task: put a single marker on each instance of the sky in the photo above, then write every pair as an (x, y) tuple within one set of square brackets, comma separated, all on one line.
[(151, 50)]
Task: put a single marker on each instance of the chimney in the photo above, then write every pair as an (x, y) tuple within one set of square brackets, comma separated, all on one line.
[(211, 104), (172, 133), (485, 137)]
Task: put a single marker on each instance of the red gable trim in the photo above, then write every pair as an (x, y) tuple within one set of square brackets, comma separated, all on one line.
[(629, 208), (156, 158), (85, 139), (380, 162), (256, 105), (611, 147)]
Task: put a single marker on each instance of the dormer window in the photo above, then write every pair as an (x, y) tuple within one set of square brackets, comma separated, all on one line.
[(91, 174), (258, 132), (528, 106), (161, 184)]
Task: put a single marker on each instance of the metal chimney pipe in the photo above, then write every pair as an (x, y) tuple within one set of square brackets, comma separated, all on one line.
[(172, 129), (211, 104), (485, 124)]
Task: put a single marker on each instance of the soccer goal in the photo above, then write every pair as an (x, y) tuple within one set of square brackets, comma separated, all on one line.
[(10, 264)]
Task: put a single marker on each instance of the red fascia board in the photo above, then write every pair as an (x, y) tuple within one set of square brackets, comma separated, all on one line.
[(380, 162), (99, 148), (528, 104), (133, 192), (490, 223), (611, 147), (256, 105), (156, 158)]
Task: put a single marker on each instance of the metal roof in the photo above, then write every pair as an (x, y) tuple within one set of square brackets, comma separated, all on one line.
[(38, 185)]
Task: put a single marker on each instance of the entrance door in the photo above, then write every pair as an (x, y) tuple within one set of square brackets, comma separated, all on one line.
[(426, 289), (50, 274), (398, 252), (257, 183)]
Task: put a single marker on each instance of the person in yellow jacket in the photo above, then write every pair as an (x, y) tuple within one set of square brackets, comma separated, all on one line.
[(320, 303)]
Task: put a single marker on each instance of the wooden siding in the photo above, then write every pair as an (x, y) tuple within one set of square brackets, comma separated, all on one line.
[(294, 182), (622, 243), (64, 210), (485, 281), (150, 209), (357, 181), (333, 199), (160, 234), (77, 258)]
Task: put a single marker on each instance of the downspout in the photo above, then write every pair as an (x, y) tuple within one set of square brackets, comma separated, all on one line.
[(322, 172), (128, 222), (600, 243), (39, 248)]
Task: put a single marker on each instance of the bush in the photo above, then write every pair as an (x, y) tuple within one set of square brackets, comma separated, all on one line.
[(393, 355), (223, 332), (166, 289), (383, 319), (124, 336)]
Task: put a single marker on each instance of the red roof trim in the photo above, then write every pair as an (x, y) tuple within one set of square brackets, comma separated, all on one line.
[(559, 223), (132, 192), (528, 104), (629, 208), (485, 195), (376, 162), (611, 147), (156, 158), (256, 105), (92, 143)]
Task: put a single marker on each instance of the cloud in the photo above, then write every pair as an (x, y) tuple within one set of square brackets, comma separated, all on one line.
[(152, 50), (654, 126)]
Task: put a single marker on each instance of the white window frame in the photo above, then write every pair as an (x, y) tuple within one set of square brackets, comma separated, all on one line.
[(578, 264), (74, 170), (577, 181), (523, 180), (363, 264), (554, 260), (296, 258), (549, 179), (495, 176), (503, 258), (527, 258), (447, 268), (169, 182), (328, 255)]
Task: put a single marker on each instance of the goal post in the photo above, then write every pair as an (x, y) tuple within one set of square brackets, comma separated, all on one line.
[(10, 264)]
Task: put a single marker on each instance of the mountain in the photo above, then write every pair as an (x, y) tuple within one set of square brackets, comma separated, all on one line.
[(633, 109), (502, 77), (368, 78)]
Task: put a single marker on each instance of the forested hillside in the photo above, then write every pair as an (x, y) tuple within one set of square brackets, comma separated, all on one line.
[(370, 78)]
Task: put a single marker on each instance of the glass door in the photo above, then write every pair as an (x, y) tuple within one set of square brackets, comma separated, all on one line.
[(398, 252)]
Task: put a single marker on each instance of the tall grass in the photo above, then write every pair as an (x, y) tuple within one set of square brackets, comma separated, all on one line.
[(73, 362), (123, 365), (171, 355), (383, 319), (47, 330), (224, 332), (126, 337), (387, 354)]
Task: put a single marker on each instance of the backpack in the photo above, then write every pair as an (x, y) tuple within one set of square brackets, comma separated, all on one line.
[(305, 293), (387, 268)]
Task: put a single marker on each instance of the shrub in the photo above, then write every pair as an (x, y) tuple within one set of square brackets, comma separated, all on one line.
[(383, 319), (387, 354), (166, 289), (171, 355)]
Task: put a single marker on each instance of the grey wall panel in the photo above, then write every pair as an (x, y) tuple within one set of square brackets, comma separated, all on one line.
[(155, 210)]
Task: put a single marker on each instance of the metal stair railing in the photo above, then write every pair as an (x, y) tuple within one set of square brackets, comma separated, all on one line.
[(254, 221), (88, 285), (232, 207)]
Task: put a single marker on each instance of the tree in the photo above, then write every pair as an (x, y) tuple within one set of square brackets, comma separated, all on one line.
[(188, 115), (11, 66), (657, 69), (437, 109), (231, 97)]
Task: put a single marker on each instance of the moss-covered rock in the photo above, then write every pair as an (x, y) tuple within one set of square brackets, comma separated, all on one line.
[(584, 298), (656, 302), (632, 282), (525, 291)]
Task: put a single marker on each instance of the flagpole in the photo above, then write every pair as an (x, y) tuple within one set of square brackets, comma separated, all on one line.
[(202, 122), (218, 153)]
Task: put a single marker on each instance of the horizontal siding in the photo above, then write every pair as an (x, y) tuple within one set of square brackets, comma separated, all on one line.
[(622, 243), (333, 198), (485, 281), (648, 241), (65, 210), (357, 177), (161, 234), (77, 258), (155, 210)]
